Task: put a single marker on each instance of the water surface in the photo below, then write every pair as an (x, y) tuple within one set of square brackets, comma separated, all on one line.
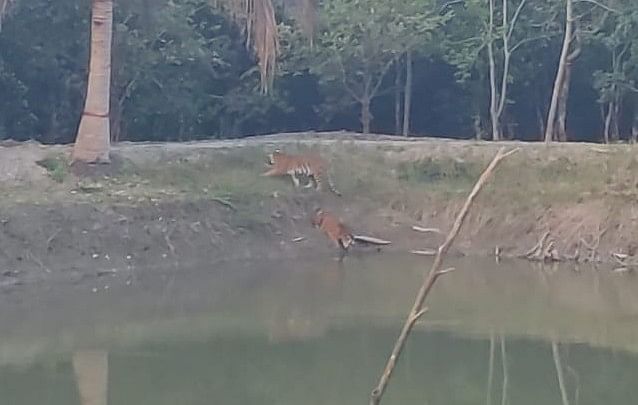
[(316, 332)]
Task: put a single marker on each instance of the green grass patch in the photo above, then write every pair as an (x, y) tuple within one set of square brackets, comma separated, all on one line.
[(57, 167)]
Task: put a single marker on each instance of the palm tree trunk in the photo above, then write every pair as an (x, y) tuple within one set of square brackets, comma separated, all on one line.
[(91, 369), (92, 143)]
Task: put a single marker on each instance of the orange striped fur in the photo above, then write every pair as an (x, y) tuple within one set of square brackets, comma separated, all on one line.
[(336, 231), (310, 165)]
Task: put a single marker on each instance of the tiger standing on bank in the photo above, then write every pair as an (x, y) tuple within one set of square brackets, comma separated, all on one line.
[(310, 165)]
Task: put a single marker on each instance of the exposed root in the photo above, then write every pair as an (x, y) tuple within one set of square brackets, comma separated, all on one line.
[(626, 263), (544, 250)]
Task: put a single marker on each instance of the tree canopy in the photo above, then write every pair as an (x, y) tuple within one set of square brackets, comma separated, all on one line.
[(182, 70)]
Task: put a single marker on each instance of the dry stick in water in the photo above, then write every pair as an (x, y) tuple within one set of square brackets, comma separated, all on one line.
[(435, 272)]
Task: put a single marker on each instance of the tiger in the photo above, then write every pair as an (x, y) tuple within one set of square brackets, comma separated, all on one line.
[(336, 230), (312, 166)]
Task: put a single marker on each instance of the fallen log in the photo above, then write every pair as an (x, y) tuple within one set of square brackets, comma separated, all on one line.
[(371, 240)]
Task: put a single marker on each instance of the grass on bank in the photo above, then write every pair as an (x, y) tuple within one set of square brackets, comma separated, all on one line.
[(385, 175)]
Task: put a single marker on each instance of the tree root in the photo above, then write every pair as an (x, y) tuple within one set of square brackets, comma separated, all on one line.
[(586, 251), (544, 250)]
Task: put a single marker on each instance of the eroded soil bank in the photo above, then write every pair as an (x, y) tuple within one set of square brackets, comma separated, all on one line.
[(166, 204)]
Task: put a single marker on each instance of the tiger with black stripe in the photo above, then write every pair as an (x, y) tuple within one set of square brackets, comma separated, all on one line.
[(340, 234), (334, 229), (310, 165)]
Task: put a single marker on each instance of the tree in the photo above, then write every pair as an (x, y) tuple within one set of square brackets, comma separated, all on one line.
[(578, 23), (482, 45), (93, 141), (360, 41), (93, 137), (506, 29), (617, 34), (569, 52)]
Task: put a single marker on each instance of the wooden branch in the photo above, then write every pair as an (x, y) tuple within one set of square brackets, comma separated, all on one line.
[(428, 252), (435, 272), (517, 13), (223, 202), (601, 5), (425, 230), (370, 240), (528, 40), (375, 87)]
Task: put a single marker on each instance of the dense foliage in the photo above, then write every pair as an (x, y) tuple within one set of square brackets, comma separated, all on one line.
[(181, 69)]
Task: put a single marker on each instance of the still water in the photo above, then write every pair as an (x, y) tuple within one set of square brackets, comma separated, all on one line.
[(315, 332)]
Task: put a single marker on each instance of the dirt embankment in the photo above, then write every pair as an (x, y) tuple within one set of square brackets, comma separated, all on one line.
[(167, 204)]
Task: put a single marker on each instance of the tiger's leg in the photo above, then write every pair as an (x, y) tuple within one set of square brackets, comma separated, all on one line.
[(295, 180), (312, 182), (318, 182), (342, 252)]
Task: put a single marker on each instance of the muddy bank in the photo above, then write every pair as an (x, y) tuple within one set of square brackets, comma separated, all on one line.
[(162, 204), (81, 242)]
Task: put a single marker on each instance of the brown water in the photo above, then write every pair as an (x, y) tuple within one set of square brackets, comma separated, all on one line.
[(314, 332)]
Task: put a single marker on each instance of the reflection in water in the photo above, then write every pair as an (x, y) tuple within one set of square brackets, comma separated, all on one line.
[(91, 369), (306, 319), (505, 371), (559, 373), (316, 333), (490, 370)]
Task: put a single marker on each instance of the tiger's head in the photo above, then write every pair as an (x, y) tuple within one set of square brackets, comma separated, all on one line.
[(274, 156)]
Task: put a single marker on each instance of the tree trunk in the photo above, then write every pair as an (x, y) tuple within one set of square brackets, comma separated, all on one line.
[(608, 119), (634, 124), (407, 101), (540, 120), (496, 134), (560, 73), (478, 128), (366, 116), (397, 97), (92, 143), (561, 121), (615, 129)]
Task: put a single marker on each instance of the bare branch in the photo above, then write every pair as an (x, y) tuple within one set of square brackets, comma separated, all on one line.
[(4, 9), (344, 80), (528, 40), (428, 282), (375, 88), (428, 252), (517, 13), (445, 271), (425, 230), (601, 5)]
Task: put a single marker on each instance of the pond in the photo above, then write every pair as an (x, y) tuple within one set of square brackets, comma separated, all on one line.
[(316, 332)]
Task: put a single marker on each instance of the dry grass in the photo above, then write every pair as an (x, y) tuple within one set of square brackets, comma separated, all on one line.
[(409, 176)]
